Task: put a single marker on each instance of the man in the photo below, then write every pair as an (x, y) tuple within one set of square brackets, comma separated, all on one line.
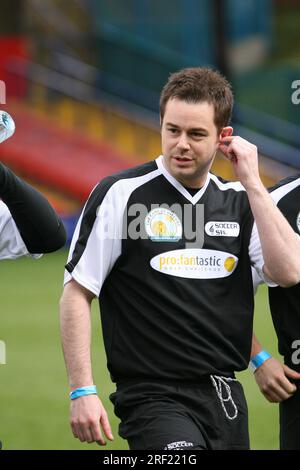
[(175, 284), (280, 382), (28, 224)]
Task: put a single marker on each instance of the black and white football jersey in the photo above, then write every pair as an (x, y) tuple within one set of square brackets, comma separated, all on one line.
[(285, 303), (172, 271)]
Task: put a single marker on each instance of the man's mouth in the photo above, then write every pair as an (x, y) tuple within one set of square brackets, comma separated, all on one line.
[(182, 159)]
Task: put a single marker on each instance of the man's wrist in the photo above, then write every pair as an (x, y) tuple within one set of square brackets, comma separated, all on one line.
[(258, 360), (255, 188), (83, 391)]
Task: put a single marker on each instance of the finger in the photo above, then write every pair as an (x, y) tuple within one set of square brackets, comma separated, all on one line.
[(227, 138), (291, 373), (278, 393), (283, 395), (74, 430), (89, 436), (78, 433), (97, 435), (287, 386), (272, 397), (228, 152), (224, 149), (85, 434), (106, 427), (82, 432)]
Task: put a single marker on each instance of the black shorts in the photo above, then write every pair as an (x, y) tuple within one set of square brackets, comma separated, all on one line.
[(165, 416), (289, 417)]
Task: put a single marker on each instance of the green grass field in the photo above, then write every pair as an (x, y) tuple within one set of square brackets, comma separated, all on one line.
[(34, 403)]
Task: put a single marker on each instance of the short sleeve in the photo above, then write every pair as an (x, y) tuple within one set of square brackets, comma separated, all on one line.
[(96, 243), (256, 257), (11, 244)]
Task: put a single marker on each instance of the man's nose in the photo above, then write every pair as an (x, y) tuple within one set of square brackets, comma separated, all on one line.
[(183, 143)]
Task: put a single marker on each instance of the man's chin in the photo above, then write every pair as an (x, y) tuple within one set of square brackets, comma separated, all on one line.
[(184, 177), (188, 178), (181, 173)]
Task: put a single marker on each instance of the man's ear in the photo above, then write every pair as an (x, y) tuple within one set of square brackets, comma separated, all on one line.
[(226, 131)]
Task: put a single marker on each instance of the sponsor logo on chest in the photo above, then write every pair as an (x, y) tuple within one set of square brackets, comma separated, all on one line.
[(222, 229), (195, 263), (163, 225), (298, 222)]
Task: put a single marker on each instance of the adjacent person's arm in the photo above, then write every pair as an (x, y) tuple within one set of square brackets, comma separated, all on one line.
[(271, 376), (279, 243), (41, 229), (87, 412)]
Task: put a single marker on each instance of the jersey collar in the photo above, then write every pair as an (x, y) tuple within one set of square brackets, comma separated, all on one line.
[(192, 199)]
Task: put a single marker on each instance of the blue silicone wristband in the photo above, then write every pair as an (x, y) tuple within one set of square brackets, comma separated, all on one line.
[(259, 359), (81, 392)]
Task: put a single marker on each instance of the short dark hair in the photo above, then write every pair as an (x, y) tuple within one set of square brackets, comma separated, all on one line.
[(198, 84)]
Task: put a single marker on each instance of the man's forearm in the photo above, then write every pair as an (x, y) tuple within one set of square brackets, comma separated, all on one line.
[(256, 347), (40, 227), (76, 335), (280, 244)]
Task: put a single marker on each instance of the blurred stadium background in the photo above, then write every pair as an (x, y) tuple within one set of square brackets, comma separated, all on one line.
[(82, 83)]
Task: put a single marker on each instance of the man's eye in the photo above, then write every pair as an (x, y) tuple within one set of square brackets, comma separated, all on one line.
[(197, 134), (172, 130)]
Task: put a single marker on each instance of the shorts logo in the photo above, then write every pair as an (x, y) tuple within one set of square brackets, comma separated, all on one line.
[(298, 222), (180, 445), (222, 229), (163, 225), (195, 263)]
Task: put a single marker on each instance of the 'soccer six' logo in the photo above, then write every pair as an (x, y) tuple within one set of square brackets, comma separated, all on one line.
[(222, 229)]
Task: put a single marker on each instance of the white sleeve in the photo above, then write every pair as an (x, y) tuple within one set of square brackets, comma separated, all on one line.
[(256, 257), (97, 240), (11, 243), (96, 243), (256, 280)]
